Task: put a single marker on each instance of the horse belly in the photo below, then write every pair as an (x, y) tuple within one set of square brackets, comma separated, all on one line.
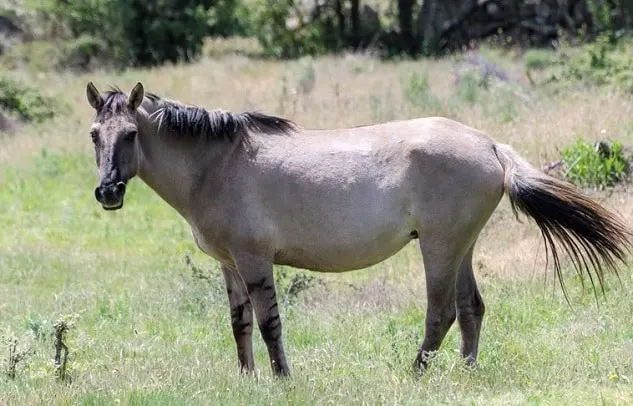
[(346, 249)]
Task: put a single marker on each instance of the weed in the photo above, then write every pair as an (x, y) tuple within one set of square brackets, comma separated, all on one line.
[(598, 165), (15, 355), (61, 360), (290, 283)]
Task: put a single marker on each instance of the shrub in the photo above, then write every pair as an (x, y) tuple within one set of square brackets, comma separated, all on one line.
[(282, 39), (598, 165), (143, 33), (26, 102)]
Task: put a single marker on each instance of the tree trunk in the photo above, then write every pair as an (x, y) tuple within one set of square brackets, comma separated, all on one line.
[(405, 18), (355, 20), (340, 17), (428, 33)]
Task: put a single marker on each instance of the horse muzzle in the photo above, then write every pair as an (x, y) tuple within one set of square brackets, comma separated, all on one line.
[(110, 195)]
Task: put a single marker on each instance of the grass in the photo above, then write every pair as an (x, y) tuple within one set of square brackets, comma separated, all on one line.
[(148, 330)]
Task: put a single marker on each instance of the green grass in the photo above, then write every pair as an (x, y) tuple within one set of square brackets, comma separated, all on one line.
[(147, 332)]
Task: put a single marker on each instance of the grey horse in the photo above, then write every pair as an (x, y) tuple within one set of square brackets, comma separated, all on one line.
[(258, 190)]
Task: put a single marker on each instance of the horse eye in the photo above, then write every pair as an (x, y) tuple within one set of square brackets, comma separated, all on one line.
[(130, 136)]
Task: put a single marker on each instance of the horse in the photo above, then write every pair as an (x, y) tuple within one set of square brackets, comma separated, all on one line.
[(259, 190)]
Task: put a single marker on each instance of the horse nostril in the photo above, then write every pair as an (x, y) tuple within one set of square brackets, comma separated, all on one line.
[(98, 194), (119, 189)]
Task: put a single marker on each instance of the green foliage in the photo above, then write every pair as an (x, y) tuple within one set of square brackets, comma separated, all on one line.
[(26, 102), (280, 39), (602, 16), (597, 165), (229, 17), (140, 33)]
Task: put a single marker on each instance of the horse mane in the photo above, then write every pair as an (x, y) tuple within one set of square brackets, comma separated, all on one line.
[(215, 125), (194, 121)]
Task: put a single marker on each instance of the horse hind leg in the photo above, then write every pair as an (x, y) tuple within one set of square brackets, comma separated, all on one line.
[(470, 309), (442, 260)]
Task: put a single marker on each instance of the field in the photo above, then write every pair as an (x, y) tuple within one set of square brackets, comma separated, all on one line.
[(149, 328)]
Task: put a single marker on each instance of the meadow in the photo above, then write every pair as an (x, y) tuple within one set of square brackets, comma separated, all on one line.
[(149, 314)]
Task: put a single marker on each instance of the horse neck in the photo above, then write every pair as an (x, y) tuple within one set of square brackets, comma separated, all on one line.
[(169, 163)]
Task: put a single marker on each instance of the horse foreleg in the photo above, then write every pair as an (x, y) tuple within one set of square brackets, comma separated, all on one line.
[(470, 309), (257, 274), (241, 318)]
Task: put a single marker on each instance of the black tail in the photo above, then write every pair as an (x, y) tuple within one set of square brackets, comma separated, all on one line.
[(593, 237)]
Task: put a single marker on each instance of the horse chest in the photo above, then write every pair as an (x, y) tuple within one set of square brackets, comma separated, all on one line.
[(210, 247)]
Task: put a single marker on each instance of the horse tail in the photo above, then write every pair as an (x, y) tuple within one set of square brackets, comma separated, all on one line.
[(592, 237)]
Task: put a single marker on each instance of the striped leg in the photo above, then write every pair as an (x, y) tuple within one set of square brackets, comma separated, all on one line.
[(470, 309), (257, 273), (241, 318)]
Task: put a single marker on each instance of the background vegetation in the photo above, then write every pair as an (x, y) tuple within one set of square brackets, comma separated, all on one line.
[(121, 308)]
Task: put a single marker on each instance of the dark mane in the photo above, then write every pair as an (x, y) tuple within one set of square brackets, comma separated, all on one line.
[(193, 121)]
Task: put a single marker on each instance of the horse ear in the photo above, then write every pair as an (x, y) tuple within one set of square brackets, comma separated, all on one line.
[(94, 97), (136, 97)]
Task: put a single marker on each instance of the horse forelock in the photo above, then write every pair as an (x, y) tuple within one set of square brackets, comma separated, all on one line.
[(114, 102)]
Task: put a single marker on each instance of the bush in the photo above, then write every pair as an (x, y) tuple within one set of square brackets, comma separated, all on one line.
[(310, 35), (143, 33), (26, 102), (598, 165)]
